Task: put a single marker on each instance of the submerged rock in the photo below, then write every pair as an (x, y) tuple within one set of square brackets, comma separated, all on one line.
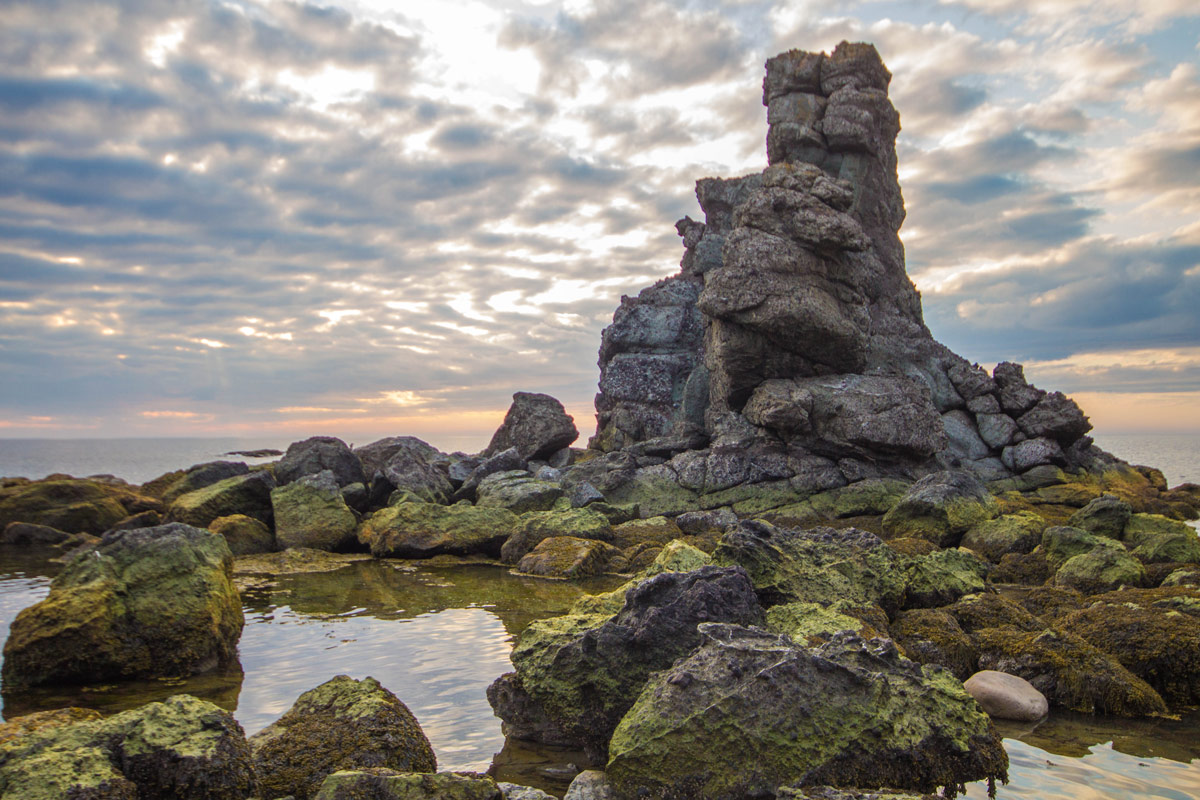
[(152, 602), (751, 711), (343, 724), (180, 749)]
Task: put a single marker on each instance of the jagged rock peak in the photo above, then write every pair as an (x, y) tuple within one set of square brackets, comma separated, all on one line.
[(792, 329)]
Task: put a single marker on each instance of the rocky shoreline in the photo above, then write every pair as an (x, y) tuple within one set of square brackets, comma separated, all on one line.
[(844, 546)]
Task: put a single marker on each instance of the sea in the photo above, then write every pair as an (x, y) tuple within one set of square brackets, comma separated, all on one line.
[(138, 460)]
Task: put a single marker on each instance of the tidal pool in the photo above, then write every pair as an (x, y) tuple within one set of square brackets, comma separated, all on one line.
[(438, 635)]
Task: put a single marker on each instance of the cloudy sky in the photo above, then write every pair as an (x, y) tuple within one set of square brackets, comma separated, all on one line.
[(370, 218)]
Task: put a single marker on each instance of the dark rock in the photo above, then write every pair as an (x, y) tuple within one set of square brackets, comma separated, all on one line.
[(536, 424), (518, 491), (317, 454), (812, 715), (248, 494), (409, 464), (932, 636), (343, 724), (584, 493), (179, 749), (74, 506), (532, 528), (586, 670), (153, 602), (509, 460)]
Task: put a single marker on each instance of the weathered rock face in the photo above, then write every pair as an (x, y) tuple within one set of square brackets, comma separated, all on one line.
[(180, 749), (145, 603), (750, 711), (343, 724), (793, 322)]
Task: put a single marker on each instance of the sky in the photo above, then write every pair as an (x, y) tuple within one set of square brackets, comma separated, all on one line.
[(366, 218)]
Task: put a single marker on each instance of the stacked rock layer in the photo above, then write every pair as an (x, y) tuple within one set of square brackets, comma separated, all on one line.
[(792, 333)]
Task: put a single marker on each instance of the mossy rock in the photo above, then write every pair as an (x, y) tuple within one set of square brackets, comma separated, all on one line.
[(811, 624), (846, 713), (244, 535), (821, 565), (1061, 542), (655, 491), (248, 494), (1074, 495), (794, 515), (1010, 533), (1141, 527), (1159, 646), (533, 527), (1106, 516), (1029, 569), (676, 556), (152, 602), (750, 499), (871, 497), (656, 530), (74, 506), (1100, 570), (833, 793), (979, 611), (908, 546), (1180, 548), (932, 636), (43, 721), (1048, 604), (941, 508), (1069, 671), (387, 784), (173, 484), (940, 578), (342, 724), (567, 557), (181, 748), (1184, 576), (517, 491), (311, 512), (421, 530)]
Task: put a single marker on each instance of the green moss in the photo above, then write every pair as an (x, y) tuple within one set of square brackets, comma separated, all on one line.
[(1010, 533), (654, 492), (1169, 547), (810, 624), (794, 515), (750, 499), (1141, 527), (1075, 495), (419, 530), (312, 516), (567, 557), (74, 506), (533, 527), (872, 497), (248, 494), (1100, 570), (1062, 542), (676, 556), (658, 530), (941, 578), (1029, 569)]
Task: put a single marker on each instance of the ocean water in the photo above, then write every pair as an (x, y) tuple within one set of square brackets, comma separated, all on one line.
[(140, 460)]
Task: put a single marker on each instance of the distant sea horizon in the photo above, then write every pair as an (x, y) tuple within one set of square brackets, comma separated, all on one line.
[(140, 459)]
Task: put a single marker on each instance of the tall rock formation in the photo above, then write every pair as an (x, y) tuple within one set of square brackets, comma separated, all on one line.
[(791, 345)]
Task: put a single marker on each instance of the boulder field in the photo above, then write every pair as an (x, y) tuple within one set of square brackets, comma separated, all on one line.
[(826, 520)]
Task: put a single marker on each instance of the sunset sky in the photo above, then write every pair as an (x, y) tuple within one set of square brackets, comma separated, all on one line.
[(276, 218)]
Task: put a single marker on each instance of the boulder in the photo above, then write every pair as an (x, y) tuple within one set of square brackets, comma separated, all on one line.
[(179, 749), (311, 512), (1160, 646), (1010, 533), (244, 535), (408, 464), (567, 557), (74, 506), (591, 784), (1055, 416), (518, 491), (978, 612), (146, 603), (852, 712), (317, 454), (532, 528), (941, 507), (932, 636), (1169, 547), (173, 484), (821, 565), (509, 460), (1070, 672), (1031, 453), (1004, 696), (1062, 542), (1141, 527), (537, 425), (586, 670), (343, 724), (27, 534), (512, 791), (1105, 516), (1100, 570), (388, 784), (248, 494), (941, 578), (375, 456), (421, 530)]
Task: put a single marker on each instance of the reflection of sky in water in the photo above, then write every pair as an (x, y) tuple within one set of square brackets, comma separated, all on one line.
[(438, 664), (1103, 774)]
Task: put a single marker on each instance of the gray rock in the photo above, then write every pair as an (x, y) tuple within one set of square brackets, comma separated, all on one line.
[(996, 430), (517, 491), (1005, 696), (27, 533), (412, 465), (695, 522), (316, 454), (536, 424), (1032, 453), (590, 784), (583, 493), (512, 791), (548, 473), (1016, 395), (964, 439), (1055, 416)]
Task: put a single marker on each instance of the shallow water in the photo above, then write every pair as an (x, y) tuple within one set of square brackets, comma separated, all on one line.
[(438, 636)]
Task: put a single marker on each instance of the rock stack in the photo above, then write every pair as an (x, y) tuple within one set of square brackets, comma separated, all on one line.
[(791, 345)]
